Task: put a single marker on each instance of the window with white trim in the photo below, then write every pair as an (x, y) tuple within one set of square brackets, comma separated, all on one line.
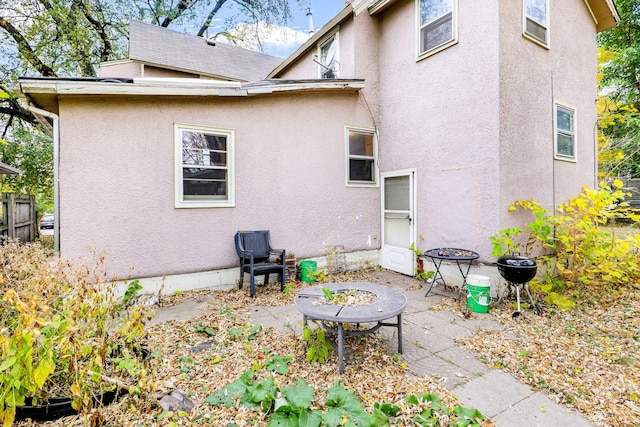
[(328, 58), (362, 152), (536, 20), (565, 134), (437, 25), (204, 166)]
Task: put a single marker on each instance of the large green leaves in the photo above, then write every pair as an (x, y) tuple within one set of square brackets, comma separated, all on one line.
[(344, 409)]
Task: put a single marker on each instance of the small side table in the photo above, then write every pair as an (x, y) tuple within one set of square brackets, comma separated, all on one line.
[(462, 257)]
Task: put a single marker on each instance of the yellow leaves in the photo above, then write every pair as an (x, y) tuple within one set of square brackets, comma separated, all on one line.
[(617, 183), (75, 389), (42, 372)]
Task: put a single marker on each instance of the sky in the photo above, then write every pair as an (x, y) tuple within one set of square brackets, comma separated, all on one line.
[(282, 41)]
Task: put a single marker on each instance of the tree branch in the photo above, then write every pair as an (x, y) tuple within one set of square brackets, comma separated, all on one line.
[(99, 27), (217, 7), (180, 8), (25, 49)]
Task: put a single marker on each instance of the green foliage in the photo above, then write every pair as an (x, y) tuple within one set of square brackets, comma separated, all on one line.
[(63, 333), (291, 406), (327, 293), (344, 408), (574, 247), (425, 275), (205, 329), (32, 152), (279, 364), (317, 346), (619, 62), (132, 290)]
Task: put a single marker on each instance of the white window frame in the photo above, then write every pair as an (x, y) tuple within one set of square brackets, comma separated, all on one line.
[(321, 69), (349, 156), (557, 131), (180, 202), (421, 54), (544, 43)]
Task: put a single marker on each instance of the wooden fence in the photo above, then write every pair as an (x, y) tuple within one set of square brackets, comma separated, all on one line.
[(19, 217)]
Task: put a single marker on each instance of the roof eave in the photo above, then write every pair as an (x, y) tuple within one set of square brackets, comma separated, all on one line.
[(379, 5), (604, 13), (47, 92)]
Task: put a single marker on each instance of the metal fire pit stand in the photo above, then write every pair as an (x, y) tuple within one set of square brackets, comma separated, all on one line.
[(388, 303), (462, 258)]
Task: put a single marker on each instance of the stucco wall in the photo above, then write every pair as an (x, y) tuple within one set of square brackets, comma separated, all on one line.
[(289, 171), (531, 79), (439, 115)]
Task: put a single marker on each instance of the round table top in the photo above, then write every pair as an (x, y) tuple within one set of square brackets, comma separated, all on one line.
[(452, 253), (388, 303)]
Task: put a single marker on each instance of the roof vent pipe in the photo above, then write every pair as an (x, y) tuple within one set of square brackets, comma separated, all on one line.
[(310, 19)]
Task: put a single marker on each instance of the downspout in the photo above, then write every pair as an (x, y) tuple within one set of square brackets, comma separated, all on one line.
[(56, 186)]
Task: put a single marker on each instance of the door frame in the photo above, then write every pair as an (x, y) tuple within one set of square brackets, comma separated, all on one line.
[(412, 173)]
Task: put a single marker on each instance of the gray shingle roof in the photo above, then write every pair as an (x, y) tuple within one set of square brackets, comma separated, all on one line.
[(164, 48)]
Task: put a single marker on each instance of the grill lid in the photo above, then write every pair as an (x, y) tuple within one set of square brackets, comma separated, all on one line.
[(516, 261)]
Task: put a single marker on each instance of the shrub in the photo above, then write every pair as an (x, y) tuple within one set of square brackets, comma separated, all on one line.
[(63, 333), (574, 247)]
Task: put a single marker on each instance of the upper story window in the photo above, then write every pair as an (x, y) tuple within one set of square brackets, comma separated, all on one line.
[(362, 152), (437, 23), (204, 166), (536, 20), (565, 133), (328, 58)]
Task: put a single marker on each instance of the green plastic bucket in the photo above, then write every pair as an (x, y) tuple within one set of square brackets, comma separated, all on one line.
[(478, 293), (308, 270)]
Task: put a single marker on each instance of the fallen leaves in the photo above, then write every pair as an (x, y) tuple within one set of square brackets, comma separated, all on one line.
[(587, 358)]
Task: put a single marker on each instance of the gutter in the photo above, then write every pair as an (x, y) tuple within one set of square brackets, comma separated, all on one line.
[(56, 163)]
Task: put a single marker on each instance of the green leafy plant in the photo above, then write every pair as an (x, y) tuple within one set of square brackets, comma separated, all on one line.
[(292, 405), (132, 290), (279, 364), (64, 332), (574, 248), (317, 346), (420, 273), (205, 329)]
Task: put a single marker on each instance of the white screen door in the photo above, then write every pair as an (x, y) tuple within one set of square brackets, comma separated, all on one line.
[(398, 225)]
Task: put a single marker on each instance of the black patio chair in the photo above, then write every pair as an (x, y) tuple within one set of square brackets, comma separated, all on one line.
[(258, 258)]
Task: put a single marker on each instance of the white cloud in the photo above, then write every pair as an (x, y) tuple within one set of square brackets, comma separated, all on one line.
[(271, 39)]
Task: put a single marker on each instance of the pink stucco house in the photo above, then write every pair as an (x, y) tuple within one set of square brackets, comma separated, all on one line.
[(399, 121)]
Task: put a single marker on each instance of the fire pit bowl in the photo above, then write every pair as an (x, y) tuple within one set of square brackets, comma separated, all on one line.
[(516, 268)]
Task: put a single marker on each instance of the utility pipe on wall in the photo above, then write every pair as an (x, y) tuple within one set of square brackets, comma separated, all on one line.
[(56, 189)]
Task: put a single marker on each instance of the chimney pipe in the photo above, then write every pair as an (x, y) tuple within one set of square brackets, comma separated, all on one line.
[(310, 19)]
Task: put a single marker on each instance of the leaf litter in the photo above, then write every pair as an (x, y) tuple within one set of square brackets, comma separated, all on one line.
[(587, 359)]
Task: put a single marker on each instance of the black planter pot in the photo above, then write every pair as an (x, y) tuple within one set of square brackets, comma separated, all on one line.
[(516, 268), (61, 407)]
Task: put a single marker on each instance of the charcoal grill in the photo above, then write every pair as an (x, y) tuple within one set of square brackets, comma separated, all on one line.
[(518, 271)]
